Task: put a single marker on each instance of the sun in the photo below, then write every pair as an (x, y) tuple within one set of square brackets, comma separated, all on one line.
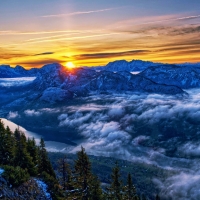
[(70, 65)]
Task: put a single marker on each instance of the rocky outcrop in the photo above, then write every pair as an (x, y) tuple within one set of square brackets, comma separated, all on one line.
[(181, 76), (27, 191)]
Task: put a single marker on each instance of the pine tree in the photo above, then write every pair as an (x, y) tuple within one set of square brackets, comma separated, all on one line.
[(9, 148), (143, 197), (22, 157), (83, 173), (129, 190), (6, 145), (115, 189), (32, 149), (44, 164), (86, 185), (95, 189), (2, 138), (157, 197), (66, 174)]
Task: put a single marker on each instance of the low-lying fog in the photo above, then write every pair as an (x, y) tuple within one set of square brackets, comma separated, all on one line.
[(9, 82), (152, 128)]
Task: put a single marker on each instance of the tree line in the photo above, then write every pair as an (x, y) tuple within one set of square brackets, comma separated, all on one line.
[(21, 159)]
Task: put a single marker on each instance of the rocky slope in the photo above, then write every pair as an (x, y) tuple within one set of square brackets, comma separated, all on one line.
[(9, 72), (29, 190), (182, 76)]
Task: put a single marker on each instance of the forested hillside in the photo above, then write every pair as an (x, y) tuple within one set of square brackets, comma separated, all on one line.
[(27, 173)]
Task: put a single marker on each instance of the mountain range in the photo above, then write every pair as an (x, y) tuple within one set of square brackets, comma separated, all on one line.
[(55, 82), (151, 116), (123, 65)]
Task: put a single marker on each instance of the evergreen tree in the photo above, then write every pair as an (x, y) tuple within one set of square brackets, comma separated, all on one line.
[(22, 157), (143, 197), (9, 148), (157, 197), (44, 164), (86, 185), (95, 190), (6, 145), (32, 149), (115, 189), (83, 173), (2, 128), (66, 174), (2, 140), (129, 190)]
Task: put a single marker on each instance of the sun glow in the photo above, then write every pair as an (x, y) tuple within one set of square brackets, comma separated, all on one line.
[(70, 65)]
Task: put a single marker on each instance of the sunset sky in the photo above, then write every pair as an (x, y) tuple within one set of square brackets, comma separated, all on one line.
[(90, 33)]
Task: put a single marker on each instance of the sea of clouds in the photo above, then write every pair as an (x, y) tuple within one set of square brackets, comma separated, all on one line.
[(9, 82), (109, 125)]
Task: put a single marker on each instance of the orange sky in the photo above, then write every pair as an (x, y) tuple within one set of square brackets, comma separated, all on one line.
[(90, 34)]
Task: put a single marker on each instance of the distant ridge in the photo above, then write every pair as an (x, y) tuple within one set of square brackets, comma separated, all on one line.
[(123, 65), (137, 65), (119, 65), (9, 72)]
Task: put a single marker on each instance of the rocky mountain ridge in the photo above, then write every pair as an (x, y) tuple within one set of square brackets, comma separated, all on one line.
[(123, 65), (55, 82), (182, 76), (64, 83), (9, 72)]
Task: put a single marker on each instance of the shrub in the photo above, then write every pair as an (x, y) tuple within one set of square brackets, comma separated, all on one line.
[(15, 175), (53, 186)]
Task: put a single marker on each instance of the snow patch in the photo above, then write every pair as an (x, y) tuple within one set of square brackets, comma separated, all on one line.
[(44, 187), (1, 171), (134, 73)]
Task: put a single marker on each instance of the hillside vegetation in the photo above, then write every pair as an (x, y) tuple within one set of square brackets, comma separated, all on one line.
[(26, 167)]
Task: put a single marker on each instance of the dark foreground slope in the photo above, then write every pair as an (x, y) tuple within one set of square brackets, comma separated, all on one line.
[(28, 190)]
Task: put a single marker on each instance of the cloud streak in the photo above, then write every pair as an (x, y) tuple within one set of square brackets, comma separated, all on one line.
[(109, 55), (152, 20), (79, 13), (40, 62), (12, 32), (62, 39), (44, 53), (171, 19)]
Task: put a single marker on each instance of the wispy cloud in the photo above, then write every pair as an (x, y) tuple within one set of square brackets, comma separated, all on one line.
[(12, 32), (44, 53), (173, 19), (5, 54), (79, 13), (39, 63), (151, 20), (168, 30), (109, 55), (61, 39), (64, 35)]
